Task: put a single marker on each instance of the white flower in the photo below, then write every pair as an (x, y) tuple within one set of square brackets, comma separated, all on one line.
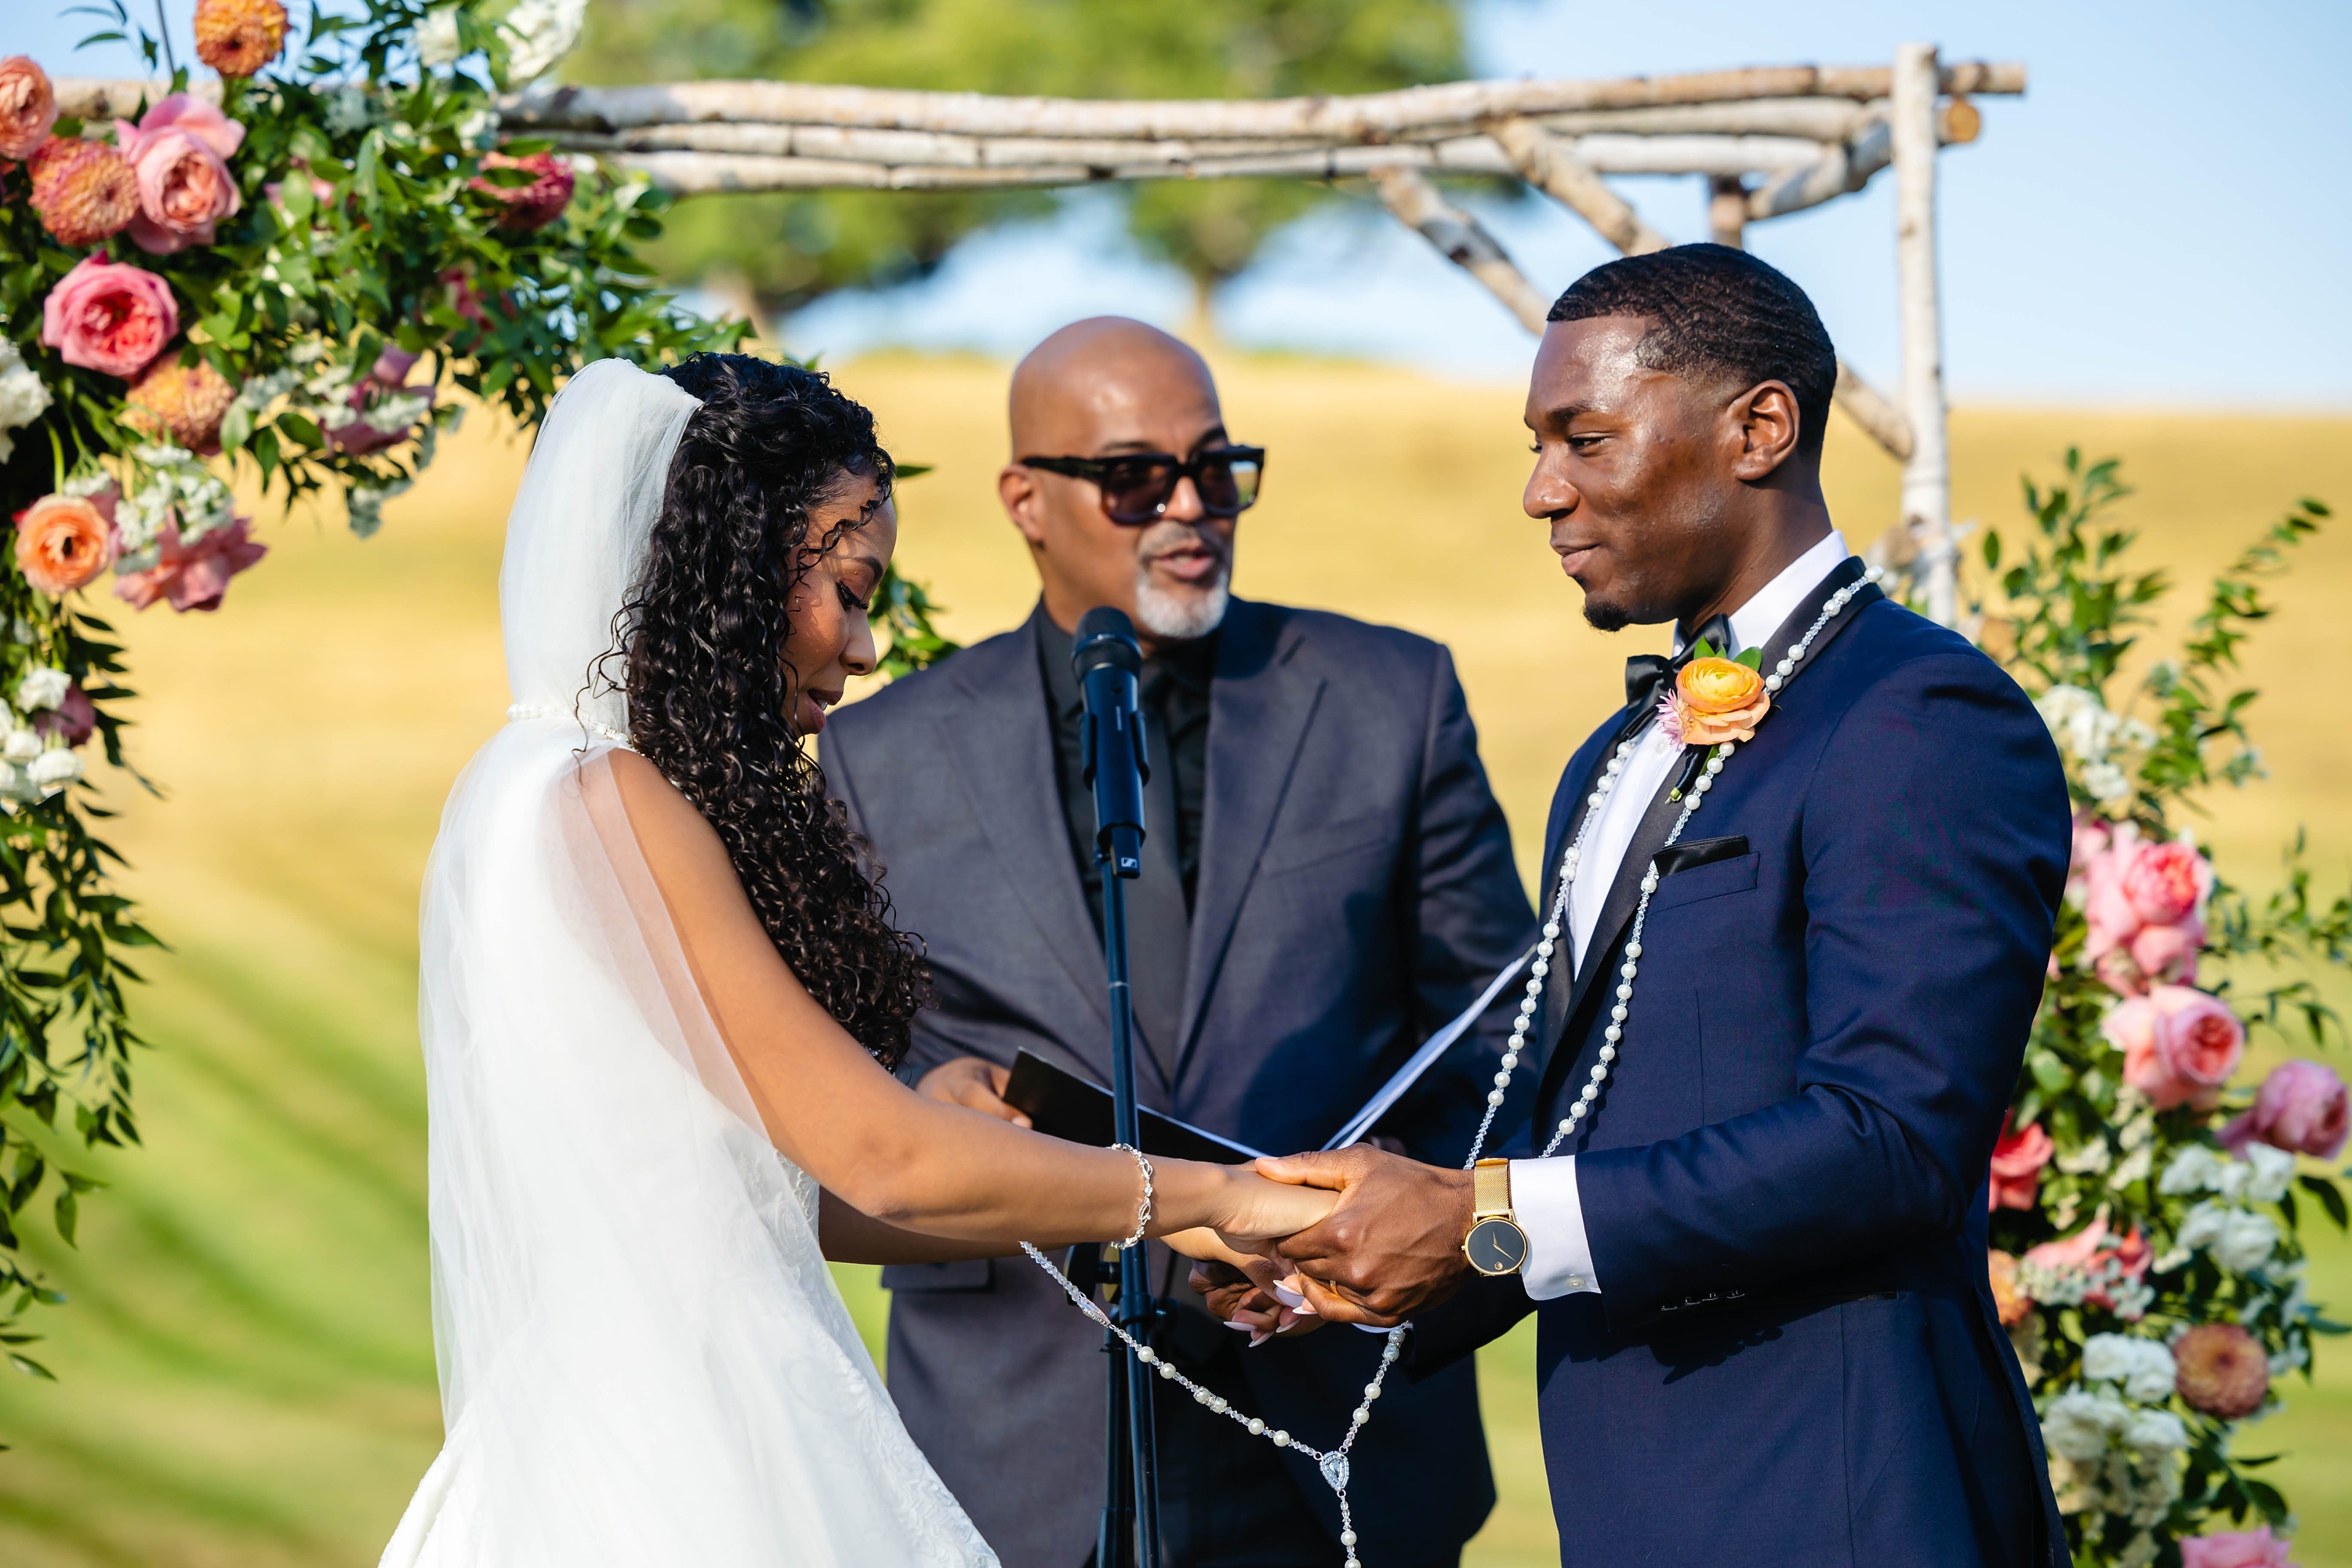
[(42, 688), (365, 505), (2078, 1422), (436, 36), (2108, 784), (23, 397), (2142, 1366), (540, 33), (2159, 1429), (348, 108), (2201, 1227), (22, 746), (2246, 1241), (53, 770), (2268, 1173), (2196, 1169)]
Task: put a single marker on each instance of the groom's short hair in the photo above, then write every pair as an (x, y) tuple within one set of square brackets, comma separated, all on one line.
[(1716, 311)]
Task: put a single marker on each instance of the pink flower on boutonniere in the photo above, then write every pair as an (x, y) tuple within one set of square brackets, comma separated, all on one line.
[(1713, 700)]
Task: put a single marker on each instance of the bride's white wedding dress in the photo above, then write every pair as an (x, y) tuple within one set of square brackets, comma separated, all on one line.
[(643, 1359)]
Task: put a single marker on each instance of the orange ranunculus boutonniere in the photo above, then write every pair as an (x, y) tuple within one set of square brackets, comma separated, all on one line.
[(1716, 699)]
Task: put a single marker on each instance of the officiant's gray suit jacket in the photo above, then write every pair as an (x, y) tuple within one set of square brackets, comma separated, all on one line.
[(1356, 889)]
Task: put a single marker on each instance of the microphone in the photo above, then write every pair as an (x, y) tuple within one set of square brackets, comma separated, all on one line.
[(1108, 662)]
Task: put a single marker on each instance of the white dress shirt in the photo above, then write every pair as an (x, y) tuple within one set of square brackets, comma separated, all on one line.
[(1543, 1192)]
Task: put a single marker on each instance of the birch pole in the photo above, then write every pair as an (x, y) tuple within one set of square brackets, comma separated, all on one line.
[(1926, 472), (1463, 240)]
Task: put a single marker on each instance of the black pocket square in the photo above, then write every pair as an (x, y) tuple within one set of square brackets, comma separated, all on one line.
[(1692, 853)]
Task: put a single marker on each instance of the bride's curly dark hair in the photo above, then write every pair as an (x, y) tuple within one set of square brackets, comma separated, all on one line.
[(712, 703)]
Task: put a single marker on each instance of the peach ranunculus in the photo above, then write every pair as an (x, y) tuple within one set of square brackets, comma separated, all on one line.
[(238, 37), (191, 576), (179, 148), (28, 107), (2145, 903), (110, 316), (2007, 1299), (2017, 1161), (83, 192), (2256, 1548), (64, 541), (1713, 700), (2181, 1045), (2223, 1371)]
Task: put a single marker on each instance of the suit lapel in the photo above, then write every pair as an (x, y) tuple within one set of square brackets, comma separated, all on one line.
[(1004, 750), (1567, 816), (1259, 708), (1624, 892)]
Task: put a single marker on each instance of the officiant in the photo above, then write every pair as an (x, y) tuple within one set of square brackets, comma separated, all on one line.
[(1327, 879)]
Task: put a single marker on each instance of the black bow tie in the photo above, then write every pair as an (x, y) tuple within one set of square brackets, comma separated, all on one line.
[(1647, 675)]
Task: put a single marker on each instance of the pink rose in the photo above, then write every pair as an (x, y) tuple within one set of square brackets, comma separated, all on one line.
[(2092, 835), (2166, 883), (2166, 953), (2180, 1045), (2145, 903), (191, 576), (2017, 1161), (184, 186), (73, 721), (2300, 1108), (110, 316), (2235, 1549), (28, 107)]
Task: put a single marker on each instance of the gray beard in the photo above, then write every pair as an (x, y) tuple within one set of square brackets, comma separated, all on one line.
[(1180, 617)]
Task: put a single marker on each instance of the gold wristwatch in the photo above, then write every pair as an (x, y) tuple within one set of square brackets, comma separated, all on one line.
[(1495, 1244)]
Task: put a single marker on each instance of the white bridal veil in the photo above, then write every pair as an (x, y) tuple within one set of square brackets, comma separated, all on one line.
[(643, 1359)]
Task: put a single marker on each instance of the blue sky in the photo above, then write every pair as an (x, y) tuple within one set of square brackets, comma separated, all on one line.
[(2165, 218)]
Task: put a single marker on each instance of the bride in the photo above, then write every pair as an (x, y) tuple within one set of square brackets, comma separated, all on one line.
[(660, 1004)]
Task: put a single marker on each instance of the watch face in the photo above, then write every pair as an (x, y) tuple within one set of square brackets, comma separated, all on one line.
[(1496, 1246)]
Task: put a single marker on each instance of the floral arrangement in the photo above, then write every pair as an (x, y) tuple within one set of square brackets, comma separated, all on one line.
[(266, 281), (2145, 1205)]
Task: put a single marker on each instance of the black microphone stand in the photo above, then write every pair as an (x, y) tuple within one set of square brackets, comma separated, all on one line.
[(1108, 662)]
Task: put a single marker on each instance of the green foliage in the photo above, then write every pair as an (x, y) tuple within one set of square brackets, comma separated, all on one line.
[(2148, 1227), (792, 248)]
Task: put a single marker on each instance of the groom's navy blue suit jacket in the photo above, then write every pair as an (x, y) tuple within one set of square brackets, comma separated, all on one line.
[(1794, 1356), (1355, 891)]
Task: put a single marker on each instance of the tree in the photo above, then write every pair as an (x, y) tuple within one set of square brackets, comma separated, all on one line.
[(790, 249)]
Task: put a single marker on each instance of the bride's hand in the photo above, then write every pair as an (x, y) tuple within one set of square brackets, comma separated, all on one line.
[(1258, 1210)]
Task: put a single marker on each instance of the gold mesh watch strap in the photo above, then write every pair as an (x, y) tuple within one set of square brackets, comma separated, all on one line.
[(1490, 1188)]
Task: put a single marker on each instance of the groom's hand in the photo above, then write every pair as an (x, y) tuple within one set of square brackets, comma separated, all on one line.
[(1393, 1245), (972, 1083)]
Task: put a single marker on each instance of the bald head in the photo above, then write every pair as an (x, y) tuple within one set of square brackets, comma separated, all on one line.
[(1101, 380), (1108, 387)]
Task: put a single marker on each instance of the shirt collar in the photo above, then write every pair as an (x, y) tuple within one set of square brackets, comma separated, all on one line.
[(1774, 602), (1190, 664)]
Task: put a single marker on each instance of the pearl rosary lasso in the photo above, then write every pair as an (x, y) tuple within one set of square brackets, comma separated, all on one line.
[(1630, 964)]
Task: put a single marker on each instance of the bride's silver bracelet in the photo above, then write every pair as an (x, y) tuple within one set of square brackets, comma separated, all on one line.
[(1143, 1213)]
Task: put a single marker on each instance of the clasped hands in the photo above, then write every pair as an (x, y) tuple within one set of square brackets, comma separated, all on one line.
[(1390, 1246)]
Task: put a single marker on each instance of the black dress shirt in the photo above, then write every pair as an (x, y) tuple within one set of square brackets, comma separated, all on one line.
[(1175, 697), (1175, 712)]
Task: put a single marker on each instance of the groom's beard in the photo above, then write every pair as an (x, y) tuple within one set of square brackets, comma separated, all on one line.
[(1194, 610)]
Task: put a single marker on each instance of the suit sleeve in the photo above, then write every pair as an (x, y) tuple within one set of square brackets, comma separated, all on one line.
[(1470, 918), (1933, 848)]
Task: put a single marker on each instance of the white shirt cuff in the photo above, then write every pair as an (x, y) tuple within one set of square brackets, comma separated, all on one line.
[(1560, 1259)]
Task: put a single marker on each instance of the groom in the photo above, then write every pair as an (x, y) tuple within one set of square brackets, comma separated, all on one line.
[(1326, 881), (1757, 1255)]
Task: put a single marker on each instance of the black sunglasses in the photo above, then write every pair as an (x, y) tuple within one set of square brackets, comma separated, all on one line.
[(1136, 486)]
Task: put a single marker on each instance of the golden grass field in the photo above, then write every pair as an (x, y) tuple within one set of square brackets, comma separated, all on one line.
[(247, 1368)]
